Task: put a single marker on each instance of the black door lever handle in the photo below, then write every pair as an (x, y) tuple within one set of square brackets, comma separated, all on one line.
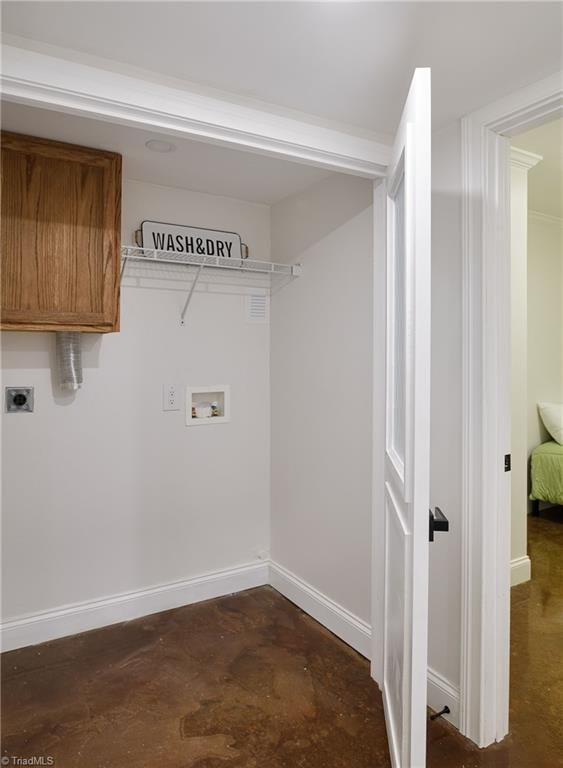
[(437, 521)]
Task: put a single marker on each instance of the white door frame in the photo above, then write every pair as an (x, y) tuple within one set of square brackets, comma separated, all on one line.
[(83, 87), (485, 595), (379, 426)]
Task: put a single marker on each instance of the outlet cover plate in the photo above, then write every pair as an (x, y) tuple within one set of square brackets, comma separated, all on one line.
[(170, 397)]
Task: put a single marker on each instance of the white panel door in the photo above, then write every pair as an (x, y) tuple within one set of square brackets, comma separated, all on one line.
[(407, 439)]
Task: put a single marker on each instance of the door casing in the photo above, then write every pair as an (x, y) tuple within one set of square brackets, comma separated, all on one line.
[(485, 514)]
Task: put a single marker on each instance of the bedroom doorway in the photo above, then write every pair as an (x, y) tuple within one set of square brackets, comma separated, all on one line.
[(536, 481), (536, 286)]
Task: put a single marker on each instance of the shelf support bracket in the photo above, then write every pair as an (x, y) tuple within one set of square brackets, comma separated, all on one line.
[(123, 265), (190, 294)]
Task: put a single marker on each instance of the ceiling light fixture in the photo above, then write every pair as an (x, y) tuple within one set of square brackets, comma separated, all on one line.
[(155, 145)]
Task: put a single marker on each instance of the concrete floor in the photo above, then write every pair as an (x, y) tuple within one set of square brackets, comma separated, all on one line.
[(250, 681)]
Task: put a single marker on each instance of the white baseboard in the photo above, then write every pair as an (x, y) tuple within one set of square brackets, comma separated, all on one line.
[(442, 693), (327, 612), (79, 617), (520, 570)]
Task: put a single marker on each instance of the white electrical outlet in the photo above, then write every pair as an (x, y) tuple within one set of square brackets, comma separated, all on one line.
[(170, 397)]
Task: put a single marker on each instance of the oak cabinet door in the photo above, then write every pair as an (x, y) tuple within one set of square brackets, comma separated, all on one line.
[(61, 225)]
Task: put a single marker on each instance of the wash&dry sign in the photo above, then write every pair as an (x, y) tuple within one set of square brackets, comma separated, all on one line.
[(192, 241)]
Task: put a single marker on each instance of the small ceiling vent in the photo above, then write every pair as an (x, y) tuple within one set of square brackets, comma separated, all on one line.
[(257, 308)]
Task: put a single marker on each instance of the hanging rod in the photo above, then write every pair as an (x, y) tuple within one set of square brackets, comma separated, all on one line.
[(151, 255)]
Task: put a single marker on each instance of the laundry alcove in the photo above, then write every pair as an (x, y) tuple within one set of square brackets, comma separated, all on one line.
[(280, 492)]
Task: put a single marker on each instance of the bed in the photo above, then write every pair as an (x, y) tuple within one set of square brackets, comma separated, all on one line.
[(546, 472)]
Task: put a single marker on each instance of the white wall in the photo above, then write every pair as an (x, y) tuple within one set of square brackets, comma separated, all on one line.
[(321, 371), (545, 319), (103, 492), (321, 356)]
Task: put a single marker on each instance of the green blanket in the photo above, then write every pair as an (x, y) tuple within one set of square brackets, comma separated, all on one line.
[(547, 473)]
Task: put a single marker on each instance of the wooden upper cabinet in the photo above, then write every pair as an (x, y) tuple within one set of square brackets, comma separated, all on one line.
[(61, 236)]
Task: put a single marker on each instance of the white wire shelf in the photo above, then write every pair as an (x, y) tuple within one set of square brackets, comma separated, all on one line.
[(265, 275), (146, 255)]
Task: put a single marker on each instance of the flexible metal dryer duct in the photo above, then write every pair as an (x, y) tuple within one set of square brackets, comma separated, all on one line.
[(69, 359)]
